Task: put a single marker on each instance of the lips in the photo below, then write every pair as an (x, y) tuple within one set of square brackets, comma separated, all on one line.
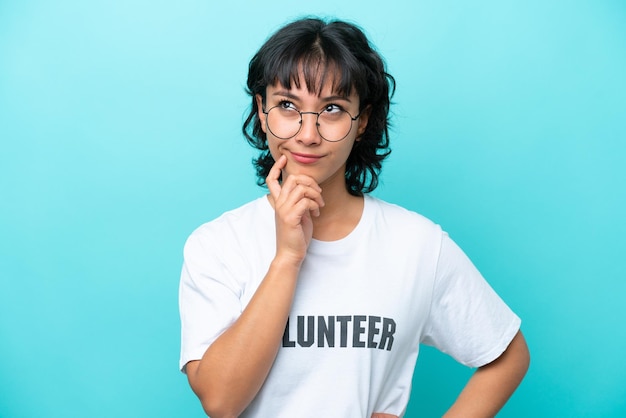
[(305, 158)]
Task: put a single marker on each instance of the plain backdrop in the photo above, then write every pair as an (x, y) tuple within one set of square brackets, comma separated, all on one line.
[(120, 133)]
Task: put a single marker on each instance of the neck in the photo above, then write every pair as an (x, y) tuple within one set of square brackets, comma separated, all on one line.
[(339, 216)]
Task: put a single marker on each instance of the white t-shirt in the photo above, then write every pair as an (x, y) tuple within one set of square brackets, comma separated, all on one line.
[(363, 304)]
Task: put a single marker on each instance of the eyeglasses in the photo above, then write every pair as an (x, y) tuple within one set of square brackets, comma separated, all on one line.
[(333, 123)]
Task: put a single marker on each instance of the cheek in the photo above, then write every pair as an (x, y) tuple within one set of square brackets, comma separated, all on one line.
[(273, 146), (348, 149)]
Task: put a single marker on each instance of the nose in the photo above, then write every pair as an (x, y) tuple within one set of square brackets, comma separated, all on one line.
[(309, 134)]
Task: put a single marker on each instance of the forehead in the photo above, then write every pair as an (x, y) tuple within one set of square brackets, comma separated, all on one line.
[(322, 89), (317, 77)]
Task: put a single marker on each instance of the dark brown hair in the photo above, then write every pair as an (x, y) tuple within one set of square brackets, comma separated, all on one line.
[(317, 48)]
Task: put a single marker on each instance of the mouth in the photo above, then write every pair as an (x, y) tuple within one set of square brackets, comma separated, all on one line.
[(305, 158)]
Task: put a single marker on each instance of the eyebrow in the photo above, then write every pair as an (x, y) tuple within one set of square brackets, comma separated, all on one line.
[(289, 95)]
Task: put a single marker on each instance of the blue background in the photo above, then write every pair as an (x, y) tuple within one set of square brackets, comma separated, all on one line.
[(120, 133)]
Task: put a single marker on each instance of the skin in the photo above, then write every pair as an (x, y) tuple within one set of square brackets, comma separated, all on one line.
[(340, 211), (312, 201), (493, 384)]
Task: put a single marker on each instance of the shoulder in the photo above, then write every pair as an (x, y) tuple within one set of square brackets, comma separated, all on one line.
[(393, 215), (402, 228), (234, 217), (231, 225)]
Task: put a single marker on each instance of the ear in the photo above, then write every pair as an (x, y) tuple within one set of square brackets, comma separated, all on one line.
[(262, 116), (364, 117)]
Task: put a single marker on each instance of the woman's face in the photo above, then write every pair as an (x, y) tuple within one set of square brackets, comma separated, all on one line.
[(307, 152)]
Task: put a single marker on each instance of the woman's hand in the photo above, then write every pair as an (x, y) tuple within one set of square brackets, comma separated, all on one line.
[(379, 415), (296, 201), (235, 366)]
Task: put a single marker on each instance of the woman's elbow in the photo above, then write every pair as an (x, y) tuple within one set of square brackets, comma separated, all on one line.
[(216, 400), (218, 408)]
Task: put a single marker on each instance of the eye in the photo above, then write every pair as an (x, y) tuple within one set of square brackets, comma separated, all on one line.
[(332, 108), (286, 105)]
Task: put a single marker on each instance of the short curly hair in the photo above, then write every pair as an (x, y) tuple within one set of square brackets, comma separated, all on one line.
[(316, 48)]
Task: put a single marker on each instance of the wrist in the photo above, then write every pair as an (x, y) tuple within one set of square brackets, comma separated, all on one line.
[(287, 262)]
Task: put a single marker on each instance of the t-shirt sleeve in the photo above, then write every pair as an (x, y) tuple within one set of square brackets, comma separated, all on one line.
[(208, 301), (468, 320)]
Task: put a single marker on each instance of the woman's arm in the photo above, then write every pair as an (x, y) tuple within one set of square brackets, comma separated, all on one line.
[(234, 367), (493, 384)]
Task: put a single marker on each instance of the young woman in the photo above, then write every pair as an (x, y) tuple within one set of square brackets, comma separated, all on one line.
[(313, 300)]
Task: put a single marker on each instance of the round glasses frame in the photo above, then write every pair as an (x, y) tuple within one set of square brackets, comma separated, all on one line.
[(317, 123)]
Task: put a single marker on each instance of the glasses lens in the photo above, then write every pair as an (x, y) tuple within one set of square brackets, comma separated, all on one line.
[(332, 125), (283, 122)]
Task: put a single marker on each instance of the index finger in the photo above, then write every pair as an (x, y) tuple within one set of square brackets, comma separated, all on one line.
[(272, 178)]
